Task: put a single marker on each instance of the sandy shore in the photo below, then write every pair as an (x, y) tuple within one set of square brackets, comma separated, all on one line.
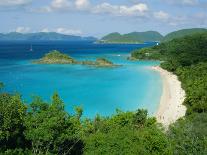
[(171, 107)]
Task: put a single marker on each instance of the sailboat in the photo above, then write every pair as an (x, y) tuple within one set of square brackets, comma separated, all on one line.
[(31, 49)]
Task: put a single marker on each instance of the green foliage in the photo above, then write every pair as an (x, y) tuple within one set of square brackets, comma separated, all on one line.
[(51, 129), (100, 62), (187, 58), (56, 55), (45, 128), (147, 54), (190, 135), (103, 62), (195, 86), (79, 112), (127, 133), (12, 114), (140, 117)]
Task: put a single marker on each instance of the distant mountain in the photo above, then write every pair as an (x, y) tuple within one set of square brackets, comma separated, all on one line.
[(182, 33), (134, 37), (42, 36)]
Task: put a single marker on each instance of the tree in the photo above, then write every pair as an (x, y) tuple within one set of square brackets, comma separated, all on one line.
[(140, 117), (12, 114), (51, 129), (79, 112)]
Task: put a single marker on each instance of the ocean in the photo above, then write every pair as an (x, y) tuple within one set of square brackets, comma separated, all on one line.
[(97, 90)]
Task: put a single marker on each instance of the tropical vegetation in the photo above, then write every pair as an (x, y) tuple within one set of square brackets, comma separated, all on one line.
[(43, 127), (187, 58)]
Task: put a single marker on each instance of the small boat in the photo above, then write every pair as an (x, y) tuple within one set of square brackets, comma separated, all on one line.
[(31, 49), (118, 55)]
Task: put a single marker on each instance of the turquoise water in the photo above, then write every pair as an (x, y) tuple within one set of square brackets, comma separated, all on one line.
[(97, 90)]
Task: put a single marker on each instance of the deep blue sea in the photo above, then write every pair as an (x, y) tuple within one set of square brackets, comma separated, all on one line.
[(97, 90)]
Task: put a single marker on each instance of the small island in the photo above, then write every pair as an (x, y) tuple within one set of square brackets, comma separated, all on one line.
[(100, 62), (56, 57)]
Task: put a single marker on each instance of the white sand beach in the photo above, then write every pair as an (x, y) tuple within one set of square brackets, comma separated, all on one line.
[(171, 107)]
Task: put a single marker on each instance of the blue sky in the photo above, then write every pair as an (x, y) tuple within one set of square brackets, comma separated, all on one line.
[(99, 17)]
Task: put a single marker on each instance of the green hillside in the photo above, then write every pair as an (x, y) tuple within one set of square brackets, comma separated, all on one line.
[(134, 37), (140, 37), (182, 33), (187, 58)]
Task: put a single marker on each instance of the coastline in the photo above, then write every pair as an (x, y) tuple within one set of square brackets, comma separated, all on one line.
[(171, 106)]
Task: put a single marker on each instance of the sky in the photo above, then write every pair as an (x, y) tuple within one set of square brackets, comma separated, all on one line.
[(100, 17)]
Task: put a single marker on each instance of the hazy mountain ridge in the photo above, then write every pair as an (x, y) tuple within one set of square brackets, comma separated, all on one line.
[(133, 37), (42, 36)]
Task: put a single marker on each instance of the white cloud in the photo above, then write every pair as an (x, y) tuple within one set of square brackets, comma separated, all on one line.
[(11, 3), (46, 30), (65, 5), (22, 29), (68, 31), (189, 2), (161, 15), (183, 2), (60, 4), (138, 9), (82, 4), (121, 10), (62, 30)]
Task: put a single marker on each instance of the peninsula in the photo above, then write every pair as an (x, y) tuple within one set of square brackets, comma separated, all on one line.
[(183, 70), (56, 57)]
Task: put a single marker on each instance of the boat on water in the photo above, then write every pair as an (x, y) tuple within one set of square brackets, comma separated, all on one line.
[(31, 49)]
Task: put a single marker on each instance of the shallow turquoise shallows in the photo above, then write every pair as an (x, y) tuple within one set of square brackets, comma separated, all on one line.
[(97, 90)]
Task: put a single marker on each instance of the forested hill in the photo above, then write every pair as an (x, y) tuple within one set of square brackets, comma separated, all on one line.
[(134, 37), (182, 33), (42, 36), (149, 36), (187, 58)]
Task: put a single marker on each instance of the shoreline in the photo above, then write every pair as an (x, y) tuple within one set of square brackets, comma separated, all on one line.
[(171, 106)]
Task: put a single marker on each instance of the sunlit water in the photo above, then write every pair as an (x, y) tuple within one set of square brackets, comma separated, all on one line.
[(97, 90)]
